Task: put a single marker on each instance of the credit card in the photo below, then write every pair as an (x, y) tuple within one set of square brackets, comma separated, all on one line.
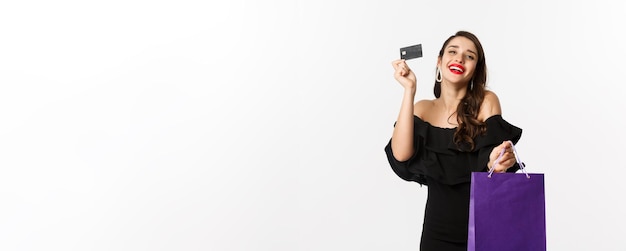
[(411, 52)]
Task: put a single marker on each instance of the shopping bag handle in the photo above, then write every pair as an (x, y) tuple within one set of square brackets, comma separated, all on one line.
[(519, 162)]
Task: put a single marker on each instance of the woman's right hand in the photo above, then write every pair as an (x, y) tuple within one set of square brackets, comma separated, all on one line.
[(403, 74)]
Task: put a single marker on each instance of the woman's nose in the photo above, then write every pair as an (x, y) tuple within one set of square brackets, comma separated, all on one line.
[(458, 58)]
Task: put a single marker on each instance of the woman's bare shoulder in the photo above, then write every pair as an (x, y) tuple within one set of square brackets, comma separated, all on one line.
[(420, 107), (490, 106)]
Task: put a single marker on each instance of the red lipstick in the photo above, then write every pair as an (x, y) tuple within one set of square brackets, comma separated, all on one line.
[(456, 68)]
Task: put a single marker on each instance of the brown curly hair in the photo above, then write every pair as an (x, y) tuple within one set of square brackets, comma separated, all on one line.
[(467, 111)]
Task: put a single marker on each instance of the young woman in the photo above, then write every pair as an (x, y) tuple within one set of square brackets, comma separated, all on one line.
[(439, 142)]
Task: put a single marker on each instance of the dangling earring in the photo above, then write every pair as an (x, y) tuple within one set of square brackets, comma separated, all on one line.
[(472, 85), (439, 77)]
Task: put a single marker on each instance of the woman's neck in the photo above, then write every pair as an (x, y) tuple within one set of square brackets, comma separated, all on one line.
[(451, 96)]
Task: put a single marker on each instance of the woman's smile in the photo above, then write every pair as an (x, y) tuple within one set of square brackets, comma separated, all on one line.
[(457, 69)]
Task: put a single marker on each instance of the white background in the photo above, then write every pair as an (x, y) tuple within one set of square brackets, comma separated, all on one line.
[(247, 125)]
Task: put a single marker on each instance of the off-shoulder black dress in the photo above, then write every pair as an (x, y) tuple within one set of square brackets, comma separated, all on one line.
[(445, 169)]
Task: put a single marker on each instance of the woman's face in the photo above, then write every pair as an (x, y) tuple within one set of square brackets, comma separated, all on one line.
[(459, 59)]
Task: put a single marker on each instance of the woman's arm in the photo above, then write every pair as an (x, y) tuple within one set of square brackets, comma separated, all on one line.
[(402, 139), (490, 107)]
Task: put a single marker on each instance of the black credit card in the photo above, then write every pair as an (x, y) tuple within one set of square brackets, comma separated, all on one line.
[(411, 52)]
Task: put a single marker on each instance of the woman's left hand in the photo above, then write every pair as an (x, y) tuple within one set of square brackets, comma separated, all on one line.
[(507, 160)]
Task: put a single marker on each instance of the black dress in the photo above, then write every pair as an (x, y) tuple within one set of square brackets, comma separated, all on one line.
[(445, 169)]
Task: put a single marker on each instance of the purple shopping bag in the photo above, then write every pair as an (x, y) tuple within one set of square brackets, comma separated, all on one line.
[(507, 211)]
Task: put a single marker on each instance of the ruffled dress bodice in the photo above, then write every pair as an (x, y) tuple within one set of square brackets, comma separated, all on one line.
[(438, 157)]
